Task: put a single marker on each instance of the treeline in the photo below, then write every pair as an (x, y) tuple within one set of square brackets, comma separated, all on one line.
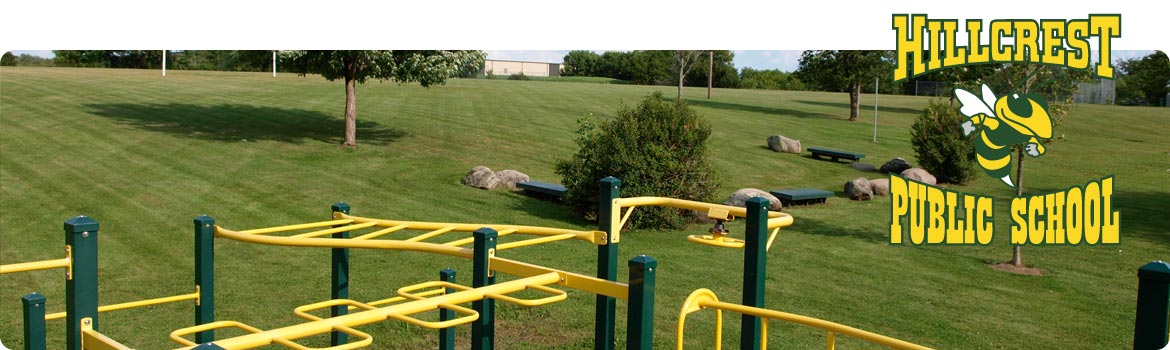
[(217, 60), (650, 67)]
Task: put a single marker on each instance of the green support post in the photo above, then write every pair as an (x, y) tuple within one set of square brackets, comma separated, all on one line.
[(34, 321), (609, 189), (447, 335), (640, 313), (483, 330), (339, 286), (81, 287), (205, 275), (755, 257), (1153, 306)]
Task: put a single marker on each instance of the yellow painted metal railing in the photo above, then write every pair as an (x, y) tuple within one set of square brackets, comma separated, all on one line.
[(91, 339), (66, 262), (776, 220), (706, 299), (413, 301), (136, 304)]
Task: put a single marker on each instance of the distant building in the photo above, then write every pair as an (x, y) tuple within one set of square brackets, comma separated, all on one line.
[(534, 69)]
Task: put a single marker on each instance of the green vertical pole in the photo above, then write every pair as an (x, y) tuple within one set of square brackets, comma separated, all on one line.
[(81, 287), (640, 314), (1153, 306), (447, 335), (205, 275), (34, 321), (754, 269), (339, 286), (483, 330), (609, 189)]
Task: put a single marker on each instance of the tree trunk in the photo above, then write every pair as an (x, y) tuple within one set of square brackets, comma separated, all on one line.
[(854, 100), (350, 112), (1017, 259), (682, 73)]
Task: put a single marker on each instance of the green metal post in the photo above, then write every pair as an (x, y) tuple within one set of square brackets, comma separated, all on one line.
[(447, 335), (339, 288), (205, 275), (1153, 306), (609, 189), (640, 314), (81, 287), (208, 346), (755, 256), (483, 330), (34, 321)]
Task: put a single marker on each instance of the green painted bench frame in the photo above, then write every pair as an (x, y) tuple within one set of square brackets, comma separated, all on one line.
[(818, 152), (801, 196), (542, 188)]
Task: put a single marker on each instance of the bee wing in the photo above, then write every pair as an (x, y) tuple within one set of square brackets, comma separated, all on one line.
[(973, 106), (988, 97)]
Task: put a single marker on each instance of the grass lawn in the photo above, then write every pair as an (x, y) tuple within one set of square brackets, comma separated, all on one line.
[(144, 154)]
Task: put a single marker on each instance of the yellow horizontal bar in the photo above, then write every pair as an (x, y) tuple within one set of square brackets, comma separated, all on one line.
[(303, 310), (334, 230), (533, 241), (557, 295), (567, 279), (318, 327), (396, 299), (588, 236), (93, 340), (430, 234), (710, 302), (35, 265), (380, 233), (687, 204), (133, 304), (469, 240), (261, 231)]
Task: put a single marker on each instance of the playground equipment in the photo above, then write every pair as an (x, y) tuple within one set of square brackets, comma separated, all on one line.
[(347, 231)]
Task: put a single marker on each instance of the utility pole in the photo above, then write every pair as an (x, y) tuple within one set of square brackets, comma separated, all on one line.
[(273, 63), (164, 65), (710, 72)]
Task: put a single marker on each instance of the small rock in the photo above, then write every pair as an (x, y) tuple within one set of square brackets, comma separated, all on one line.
[(508, 178), (481, 177), (741, 196), (895, 166), (920, 175), (859, 189), (880, 187)]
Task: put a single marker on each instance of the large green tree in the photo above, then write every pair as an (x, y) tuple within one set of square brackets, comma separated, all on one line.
[(357, 66), (1144, 79), (844, 71), (583, 63)]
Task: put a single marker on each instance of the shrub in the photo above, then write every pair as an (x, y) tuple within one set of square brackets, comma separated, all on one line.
[(518, 76), (656, 148), (939, 144)]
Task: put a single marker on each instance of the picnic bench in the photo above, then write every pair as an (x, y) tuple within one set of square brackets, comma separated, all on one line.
[(542, 189), (801, 196), (818, 152)]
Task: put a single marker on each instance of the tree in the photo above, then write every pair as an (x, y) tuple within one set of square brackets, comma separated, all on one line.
[(726, 76), (683, 61), (769, 79), (356, 66), (8, 59), (843, 71), (583, 63), (1144, 79)]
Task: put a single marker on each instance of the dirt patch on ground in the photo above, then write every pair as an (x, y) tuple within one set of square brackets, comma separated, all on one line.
[(1019, 270)]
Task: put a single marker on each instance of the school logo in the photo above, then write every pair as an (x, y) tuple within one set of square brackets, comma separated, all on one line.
[(1012, 119)]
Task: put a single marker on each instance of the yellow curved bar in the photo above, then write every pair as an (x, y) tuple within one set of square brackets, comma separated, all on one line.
[(303, 310), (133, 304), (177, 335), (595, 237), (557, 295), (705, 299), (726, 242), (470, 315)]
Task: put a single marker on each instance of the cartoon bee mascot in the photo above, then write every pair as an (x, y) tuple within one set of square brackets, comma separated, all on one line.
[(1003, 122)]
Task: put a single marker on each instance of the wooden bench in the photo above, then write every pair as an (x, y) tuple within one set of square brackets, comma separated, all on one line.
[(538, 189), (801, 196), (818, 152)]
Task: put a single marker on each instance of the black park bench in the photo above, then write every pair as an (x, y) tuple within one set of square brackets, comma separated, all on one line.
[(801, 196), (542, 189), (818, 152)]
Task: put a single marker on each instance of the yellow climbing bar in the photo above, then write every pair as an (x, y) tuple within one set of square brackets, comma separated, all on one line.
[(91, 339), (134, 304), (595, 237), (383, 232), (334, 230), (66, 262), (706, 299), (261, 231), (714, 211)]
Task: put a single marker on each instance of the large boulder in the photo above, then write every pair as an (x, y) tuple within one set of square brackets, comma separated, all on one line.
[(508, 178), (740, 197), (895, 166), (880, 187), (859, 189), (920, 175), (783, 144), (481, 177)]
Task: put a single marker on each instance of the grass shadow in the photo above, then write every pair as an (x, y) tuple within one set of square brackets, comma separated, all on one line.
[(546, 208), (237, 122), (826, 228), (880, 108), (1143, 215), (759, 109)]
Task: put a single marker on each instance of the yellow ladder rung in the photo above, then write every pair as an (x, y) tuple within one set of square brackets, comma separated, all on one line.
[(260, 231), (334, 230), (430, 234), (380, 233)]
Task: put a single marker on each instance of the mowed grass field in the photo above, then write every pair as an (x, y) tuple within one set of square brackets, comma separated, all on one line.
[(144, 154)]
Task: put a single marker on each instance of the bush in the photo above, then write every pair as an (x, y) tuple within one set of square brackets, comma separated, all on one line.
[(939, 144), (656, 148), (518, 76)]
